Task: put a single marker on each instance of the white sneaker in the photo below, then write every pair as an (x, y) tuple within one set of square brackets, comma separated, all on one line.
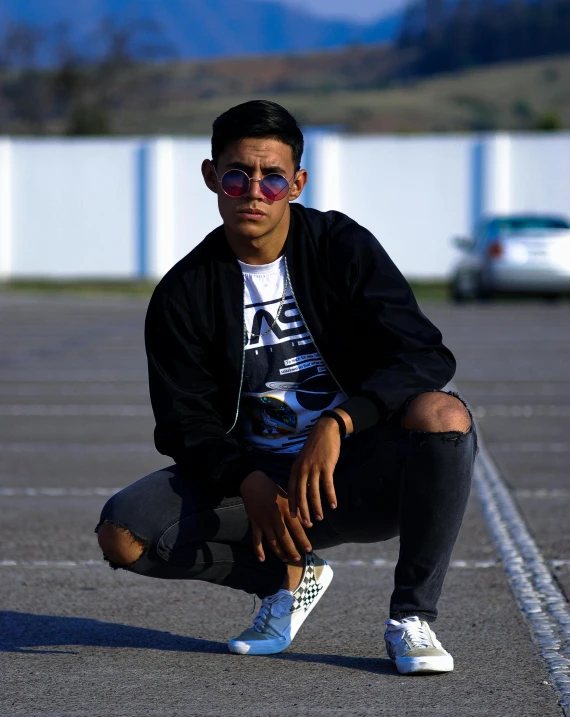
[(282, 614), (413, 647)]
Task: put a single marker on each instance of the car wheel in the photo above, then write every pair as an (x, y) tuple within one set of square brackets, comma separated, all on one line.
[(484, 293), (463, 287)]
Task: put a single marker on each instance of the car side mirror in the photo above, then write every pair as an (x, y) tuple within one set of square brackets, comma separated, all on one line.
[(465, 243)]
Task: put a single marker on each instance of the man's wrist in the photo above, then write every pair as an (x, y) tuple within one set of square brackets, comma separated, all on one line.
[(342, 420)]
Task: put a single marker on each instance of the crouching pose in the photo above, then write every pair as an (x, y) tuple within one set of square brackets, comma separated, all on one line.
[(296, 386)]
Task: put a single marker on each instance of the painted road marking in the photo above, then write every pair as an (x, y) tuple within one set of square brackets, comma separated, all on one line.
[(75, 389), (56, 492), (521, 411), (371, 563), (122, 410), (75, 410), (73, 375), (147, 447), (530, 447), (61, 492), (58, 448), (543, 493), (538, 596)]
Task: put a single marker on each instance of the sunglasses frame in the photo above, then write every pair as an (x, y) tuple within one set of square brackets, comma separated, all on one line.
[(255, 179)]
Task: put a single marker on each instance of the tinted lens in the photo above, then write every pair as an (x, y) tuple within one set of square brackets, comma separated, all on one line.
[(235, 183), (274, 187)]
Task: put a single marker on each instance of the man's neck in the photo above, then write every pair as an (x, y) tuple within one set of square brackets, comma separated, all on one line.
[(262, 250)]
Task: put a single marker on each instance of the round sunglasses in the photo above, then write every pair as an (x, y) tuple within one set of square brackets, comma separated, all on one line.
[(235, 183)]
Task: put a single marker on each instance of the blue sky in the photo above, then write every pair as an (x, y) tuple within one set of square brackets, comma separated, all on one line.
[(359, 10)]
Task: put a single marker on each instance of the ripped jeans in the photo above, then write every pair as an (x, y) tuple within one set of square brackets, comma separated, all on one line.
[(389, 481)]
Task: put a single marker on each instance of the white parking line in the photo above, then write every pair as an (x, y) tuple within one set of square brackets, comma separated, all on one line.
[(73, 375), (73, 389), (373, 563), (530, 447), (58, 448), (543, 493), (61, 492), (56, 492), (75, 410), (122, 410), (538, 596), (524, 411)]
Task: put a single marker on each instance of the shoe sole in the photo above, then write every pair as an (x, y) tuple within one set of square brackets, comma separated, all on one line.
[(424, 665), (272, 647)]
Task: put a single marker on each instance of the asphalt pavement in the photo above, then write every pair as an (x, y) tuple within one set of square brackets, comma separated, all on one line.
[(78, 640)]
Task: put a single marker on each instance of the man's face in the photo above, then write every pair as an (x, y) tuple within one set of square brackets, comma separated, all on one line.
[(253, 216)]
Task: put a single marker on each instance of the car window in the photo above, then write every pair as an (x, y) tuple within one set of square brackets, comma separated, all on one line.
[(515, 225), (481, 233)]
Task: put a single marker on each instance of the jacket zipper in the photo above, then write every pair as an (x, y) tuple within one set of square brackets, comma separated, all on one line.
[(309, 330), (243, 343)]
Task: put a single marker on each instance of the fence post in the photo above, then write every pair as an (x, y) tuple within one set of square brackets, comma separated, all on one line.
[(161, 235), (6, 237), (323, 162), (497, 175)]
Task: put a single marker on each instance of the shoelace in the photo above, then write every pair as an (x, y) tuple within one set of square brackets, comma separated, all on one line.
[(281, 604), (417, 634)]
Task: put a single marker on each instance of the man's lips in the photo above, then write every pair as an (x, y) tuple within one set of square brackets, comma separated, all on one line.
[(251, 212)]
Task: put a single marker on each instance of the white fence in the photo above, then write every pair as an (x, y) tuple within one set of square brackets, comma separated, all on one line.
[(122, 208)]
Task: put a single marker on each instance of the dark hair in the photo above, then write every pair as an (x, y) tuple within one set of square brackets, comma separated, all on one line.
[(257, 118)]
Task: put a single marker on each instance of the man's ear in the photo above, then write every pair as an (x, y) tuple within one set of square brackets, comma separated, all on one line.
[(301, 179), (209, 174)]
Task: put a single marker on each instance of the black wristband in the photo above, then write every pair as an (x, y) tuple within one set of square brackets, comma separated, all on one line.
[(339, 419)]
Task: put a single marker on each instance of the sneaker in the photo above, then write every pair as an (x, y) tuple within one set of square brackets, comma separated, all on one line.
[(413, 647), (282, 614)]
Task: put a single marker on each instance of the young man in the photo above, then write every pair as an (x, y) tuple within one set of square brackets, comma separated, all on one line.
[(297, 387)]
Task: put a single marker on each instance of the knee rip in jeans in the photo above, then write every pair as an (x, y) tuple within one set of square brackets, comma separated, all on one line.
[(456, 437), (121, 548)]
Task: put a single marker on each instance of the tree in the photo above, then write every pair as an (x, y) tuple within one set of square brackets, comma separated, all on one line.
[(83, 87)]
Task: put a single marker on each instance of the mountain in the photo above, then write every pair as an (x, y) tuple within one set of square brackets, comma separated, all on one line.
[(201, 28)]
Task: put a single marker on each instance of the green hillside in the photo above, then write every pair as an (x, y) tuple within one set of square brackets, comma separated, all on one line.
[(515, 97), (355, 90)]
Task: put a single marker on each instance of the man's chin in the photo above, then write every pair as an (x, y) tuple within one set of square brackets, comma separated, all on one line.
[(250, 230)]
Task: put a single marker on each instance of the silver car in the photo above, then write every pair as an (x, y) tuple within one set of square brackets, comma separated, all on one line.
[(516, 253)]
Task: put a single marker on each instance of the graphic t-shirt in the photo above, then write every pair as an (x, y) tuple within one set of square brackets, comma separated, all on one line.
[(286, 384)]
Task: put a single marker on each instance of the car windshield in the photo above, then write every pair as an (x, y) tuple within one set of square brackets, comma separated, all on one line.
[(515, 225)]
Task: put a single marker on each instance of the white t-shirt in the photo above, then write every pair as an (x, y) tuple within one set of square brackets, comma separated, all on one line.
[(286, 384)]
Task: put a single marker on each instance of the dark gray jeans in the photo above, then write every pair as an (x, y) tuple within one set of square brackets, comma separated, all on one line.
[(388, 481)]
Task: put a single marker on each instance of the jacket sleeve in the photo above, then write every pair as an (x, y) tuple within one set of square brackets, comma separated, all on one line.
[(409, 354), (184, 399)]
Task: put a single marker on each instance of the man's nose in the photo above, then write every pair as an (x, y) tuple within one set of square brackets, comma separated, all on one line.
[(254, 190)]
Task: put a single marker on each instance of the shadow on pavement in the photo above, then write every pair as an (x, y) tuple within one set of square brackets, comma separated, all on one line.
[(25, 632), (21, 631), (377, 665)]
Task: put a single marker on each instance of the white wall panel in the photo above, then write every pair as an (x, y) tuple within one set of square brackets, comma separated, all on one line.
[(414, 194), (540, 173), (195, 206), (73, 206), (6, 238), (133, 207)]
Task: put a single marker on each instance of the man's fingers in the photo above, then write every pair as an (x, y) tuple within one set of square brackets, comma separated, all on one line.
[(292, 492), (299, 535), (257, 539), (328, 485), (275, 545), (302, 504), (315, 494), (287, 544)]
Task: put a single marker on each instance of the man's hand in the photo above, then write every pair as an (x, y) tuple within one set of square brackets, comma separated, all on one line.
[(315, 464), (268, 510)]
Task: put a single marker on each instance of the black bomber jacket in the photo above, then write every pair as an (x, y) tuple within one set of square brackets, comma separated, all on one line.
[(358, 308)]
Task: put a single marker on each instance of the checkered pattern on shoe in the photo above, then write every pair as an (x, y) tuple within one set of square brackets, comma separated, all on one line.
[(308, 589)]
